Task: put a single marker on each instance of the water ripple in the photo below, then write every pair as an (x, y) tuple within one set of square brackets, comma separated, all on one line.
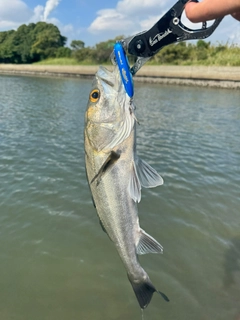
[(48, 225)]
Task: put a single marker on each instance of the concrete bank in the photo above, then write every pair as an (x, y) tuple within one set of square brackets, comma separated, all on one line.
[(221, 77)]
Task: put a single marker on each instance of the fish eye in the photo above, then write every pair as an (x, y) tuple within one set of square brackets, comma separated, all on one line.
[(94, 95)]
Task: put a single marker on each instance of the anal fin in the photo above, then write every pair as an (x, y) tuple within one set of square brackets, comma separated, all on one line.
[(148, 244)]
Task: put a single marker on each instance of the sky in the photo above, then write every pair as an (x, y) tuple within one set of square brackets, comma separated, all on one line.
[(93, 21)]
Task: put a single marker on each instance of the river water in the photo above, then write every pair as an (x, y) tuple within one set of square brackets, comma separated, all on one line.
[(56, 263)]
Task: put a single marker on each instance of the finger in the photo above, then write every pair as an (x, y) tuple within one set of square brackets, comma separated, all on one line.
[(236, 15), (203, 11)]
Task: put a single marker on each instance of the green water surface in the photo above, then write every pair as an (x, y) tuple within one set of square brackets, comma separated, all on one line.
[(55, 261)]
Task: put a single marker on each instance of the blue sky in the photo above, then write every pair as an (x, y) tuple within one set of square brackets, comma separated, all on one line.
[(93, 21)]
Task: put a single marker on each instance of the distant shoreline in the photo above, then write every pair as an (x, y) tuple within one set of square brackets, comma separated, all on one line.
[(204, 76)]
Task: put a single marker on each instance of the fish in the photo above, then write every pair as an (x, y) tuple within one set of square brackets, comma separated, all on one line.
[(116, 176)]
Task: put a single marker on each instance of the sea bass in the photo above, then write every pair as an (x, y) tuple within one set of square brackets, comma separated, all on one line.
[(116, 174)]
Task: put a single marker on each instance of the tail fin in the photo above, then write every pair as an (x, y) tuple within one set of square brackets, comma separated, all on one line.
[(144, 291)]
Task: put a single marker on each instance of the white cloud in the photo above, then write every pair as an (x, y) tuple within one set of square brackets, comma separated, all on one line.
[(111, 20), (13, 13), (128, 17), (50, 6), (37, 14), (8, 25)]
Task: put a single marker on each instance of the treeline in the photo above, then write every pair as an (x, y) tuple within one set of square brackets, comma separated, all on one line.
[(183, 53), (199, 53), (32, 43), (37, 42)]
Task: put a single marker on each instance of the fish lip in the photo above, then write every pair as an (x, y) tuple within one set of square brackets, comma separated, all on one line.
[(108, 77), (108, 82)]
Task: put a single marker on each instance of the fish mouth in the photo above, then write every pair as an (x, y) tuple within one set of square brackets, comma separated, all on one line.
[(106, 76), (106, 81)]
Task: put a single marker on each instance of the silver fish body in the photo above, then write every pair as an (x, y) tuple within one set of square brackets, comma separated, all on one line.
[(115, 174)]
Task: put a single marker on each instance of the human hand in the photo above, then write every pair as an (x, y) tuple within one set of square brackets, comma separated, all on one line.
[(212, 9)]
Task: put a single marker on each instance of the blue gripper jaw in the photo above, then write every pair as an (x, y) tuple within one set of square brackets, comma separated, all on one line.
[(124, 69)]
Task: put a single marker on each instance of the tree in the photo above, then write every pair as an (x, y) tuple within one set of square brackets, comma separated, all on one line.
[(22, 42), (47, 40), (63, 52), (6, 46), (103, 50), (202, 50), (31, 43), (174, 53), (85, 54), (77, 44)]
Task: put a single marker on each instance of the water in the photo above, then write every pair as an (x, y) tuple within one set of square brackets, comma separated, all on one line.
[(55, 261)]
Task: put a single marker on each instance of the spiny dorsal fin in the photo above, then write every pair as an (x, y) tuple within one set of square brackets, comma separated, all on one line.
[(134, 187), (148, 244), (149, 178), (111, 159)]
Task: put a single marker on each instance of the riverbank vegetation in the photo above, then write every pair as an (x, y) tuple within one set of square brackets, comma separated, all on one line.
[(42, 43), (199, 53), (32, 43)]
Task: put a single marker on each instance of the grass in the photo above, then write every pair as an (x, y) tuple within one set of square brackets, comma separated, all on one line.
[(69, 62), (59, 62)]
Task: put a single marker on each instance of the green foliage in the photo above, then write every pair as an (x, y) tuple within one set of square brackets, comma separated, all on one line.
[(31, 43), (83, 54), (63, 52), (6, 46), (59, 62), (46, 41), (102, 52), (201, 44), (96, 55), (77, 44), (174, 53), (201, 53)]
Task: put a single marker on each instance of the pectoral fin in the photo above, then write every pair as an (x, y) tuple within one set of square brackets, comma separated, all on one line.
[(134, 187), (148, 244), (149, 178), (109, 162)]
